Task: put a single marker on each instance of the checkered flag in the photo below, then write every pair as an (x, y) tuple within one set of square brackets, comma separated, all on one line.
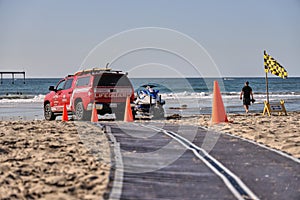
[(271, 65)]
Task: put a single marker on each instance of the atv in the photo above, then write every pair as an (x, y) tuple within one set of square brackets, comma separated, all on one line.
[(148, 103)]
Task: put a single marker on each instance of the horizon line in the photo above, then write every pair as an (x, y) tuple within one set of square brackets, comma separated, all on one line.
[(4, 78)]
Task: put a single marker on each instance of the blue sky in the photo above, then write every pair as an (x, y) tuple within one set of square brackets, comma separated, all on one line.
[(52, 38)]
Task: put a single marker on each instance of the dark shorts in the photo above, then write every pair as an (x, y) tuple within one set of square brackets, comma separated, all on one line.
[(246, 101)]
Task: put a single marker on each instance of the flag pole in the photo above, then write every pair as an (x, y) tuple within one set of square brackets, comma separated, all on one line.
[(267, 82), (267, 87)]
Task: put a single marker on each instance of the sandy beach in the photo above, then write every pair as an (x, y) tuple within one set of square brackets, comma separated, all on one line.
[(278, 132), (71, 160), (53, 160)]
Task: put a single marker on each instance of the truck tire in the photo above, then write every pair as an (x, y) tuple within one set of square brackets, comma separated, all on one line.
[(133, 113), (48, 114), (80, 113)]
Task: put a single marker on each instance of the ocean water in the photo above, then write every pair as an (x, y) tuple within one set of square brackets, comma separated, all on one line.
[(195, 94)]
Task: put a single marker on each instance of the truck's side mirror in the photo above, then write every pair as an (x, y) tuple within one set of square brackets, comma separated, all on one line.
[(51, 88)]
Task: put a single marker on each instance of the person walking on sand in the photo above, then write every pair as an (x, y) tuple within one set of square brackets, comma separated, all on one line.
[(246, 93)]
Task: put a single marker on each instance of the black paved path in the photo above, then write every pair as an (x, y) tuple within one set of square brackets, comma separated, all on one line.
[(267, 174)]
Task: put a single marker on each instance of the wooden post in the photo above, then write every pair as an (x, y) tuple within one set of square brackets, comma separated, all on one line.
[(24, 77)]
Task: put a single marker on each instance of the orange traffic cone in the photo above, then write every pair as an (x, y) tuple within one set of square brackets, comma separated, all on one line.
[(65, 117), (218, 110), (128, 117), (94, 117)]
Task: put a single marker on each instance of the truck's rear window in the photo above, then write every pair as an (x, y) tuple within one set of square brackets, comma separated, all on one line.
[(111, 80)]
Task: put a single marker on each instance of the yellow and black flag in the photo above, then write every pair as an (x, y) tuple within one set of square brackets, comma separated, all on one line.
[(271, 65)]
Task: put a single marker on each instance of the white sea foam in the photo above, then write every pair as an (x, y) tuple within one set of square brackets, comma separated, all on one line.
[(22, 99), (228, 95), (178, 95), (186, 95), (195, 102)]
